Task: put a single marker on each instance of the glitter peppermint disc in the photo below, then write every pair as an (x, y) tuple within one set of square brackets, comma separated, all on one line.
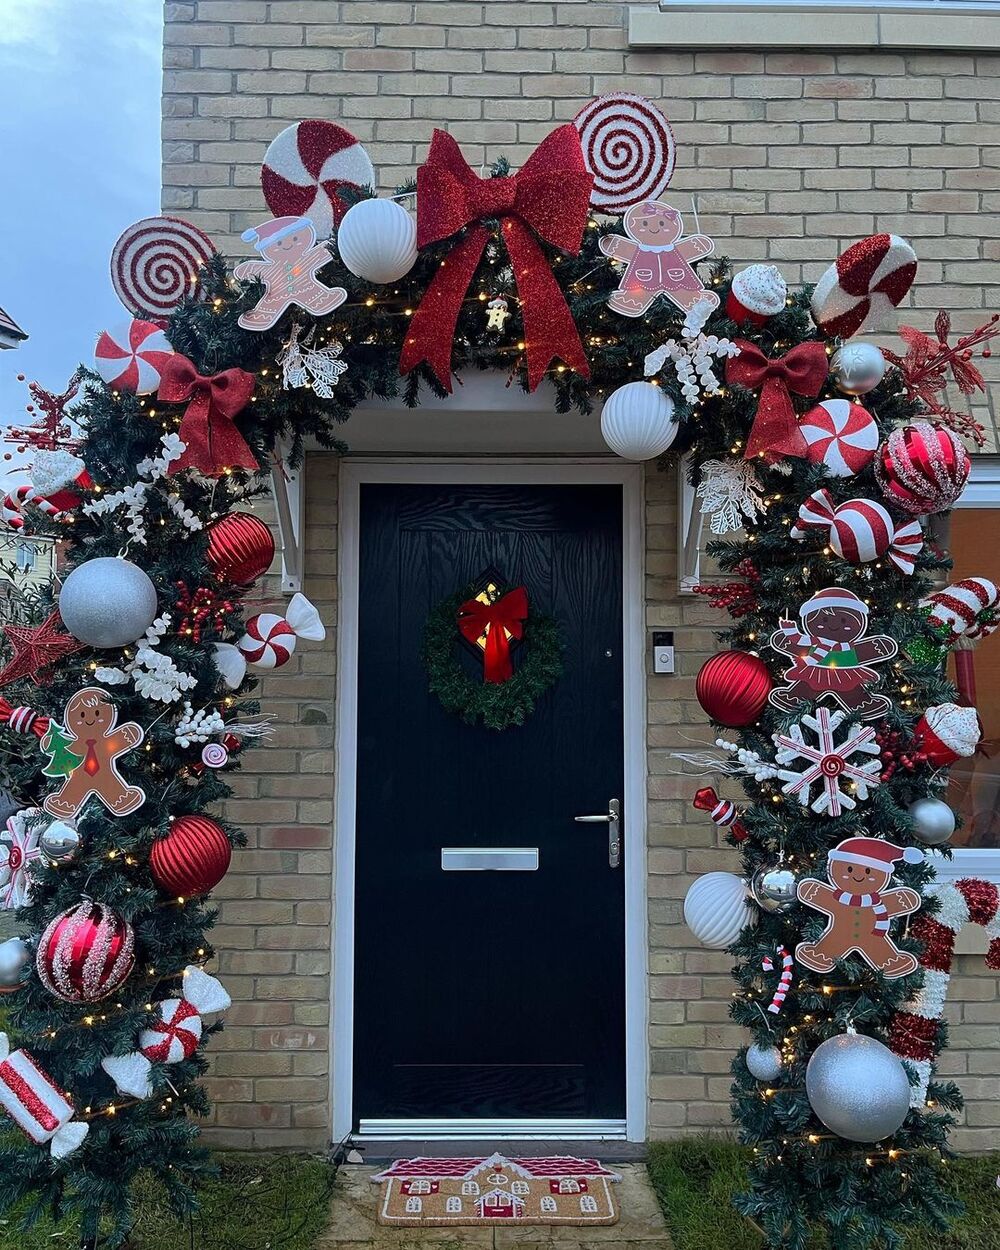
[(156, 262), (629, 148), (304, 167)]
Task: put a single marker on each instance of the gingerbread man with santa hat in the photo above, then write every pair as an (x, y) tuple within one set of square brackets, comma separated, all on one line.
[(291, 258), (657, 256)]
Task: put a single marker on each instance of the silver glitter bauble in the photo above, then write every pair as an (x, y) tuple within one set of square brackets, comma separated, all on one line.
[(858, 1088), (107, 602), (60, 842), (857, 368), (933, 821), (764, 1062), (14, 958), (773, 889)]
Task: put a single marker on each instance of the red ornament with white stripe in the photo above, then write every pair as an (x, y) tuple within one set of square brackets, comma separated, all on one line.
[(922, 468), (840, 435), (305, 166), (131, 356), (870, 278), (86, 953), (859, 530)]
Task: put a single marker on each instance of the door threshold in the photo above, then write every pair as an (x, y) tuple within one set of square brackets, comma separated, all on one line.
[(491, 1130)]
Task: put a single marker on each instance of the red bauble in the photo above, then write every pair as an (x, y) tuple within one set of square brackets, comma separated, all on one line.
[(192, 858), (85, 954), (922, 468), (733, 687), (240, 548)]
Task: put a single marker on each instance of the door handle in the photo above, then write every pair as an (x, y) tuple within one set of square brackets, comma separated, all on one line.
[(612, 819)]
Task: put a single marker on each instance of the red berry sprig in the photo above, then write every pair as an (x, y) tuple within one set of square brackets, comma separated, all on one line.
[(202, 610)]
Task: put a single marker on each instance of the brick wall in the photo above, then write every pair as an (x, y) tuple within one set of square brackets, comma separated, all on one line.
[(791, 156)]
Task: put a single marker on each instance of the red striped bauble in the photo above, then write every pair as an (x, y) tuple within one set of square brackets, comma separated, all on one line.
[(240, 548), (192, 858), (733, 687), (922, 468), (86, 953)]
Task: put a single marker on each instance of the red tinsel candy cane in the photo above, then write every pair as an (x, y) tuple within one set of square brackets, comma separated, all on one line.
[(36, 1104), (859, 530), (784, 982), (57, 478), (965, 609), (174, 1036), (915, 1030), (722, 811), (23, 720)]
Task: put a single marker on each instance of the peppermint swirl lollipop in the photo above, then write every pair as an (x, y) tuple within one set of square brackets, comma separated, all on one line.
[(214, 755), (156, 262), (629, 148)]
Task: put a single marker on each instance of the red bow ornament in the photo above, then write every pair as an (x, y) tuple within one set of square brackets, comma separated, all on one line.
[(775, 431), (213, 441), (496, 620), (549, 198)]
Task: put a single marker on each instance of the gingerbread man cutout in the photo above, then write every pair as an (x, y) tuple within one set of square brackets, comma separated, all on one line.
[(832, 654), (85, 750), (859, 907), (291, 257), (657, 256)]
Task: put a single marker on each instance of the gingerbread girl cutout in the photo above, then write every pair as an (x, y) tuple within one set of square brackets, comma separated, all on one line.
[(832, 653), (657, 256), (85, 750), (859, 907), (291, 258)]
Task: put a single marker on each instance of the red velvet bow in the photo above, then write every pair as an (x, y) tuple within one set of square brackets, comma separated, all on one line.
[(550, 198), (213, 441), (804, 369), (506, 616)]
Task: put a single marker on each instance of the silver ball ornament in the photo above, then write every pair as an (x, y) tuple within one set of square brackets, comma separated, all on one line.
[(60, 842), (858, 1088), (14, 958), (773, 889), (857, 368), (764, 1062), (933, 821), (107, 602)]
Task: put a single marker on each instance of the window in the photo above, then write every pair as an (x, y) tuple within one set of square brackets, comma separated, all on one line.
[(569, 1186), (453, 1205), (414, 1206), (549, 1205), (25, 556), (470, 1188), (497, 1178), (420, 1187), (520, 1187), (588, 1205)]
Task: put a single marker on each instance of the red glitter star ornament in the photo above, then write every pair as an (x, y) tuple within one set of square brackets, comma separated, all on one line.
[(36, 648)]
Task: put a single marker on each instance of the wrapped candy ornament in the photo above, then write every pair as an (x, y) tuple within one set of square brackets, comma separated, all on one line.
[(922, 468), (270, 639), (947, 732), (36, 1104), (859, 530), (173, 1037)]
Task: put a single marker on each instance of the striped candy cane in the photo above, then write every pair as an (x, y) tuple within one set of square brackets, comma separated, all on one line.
[(785, 983)]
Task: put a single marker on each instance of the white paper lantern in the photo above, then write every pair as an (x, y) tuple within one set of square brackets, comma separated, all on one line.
[(377, 240), (716, 909), (637, 421)]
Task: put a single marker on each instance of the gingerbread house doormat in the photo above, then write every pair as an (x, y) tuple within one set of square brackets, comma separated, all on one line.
[(555, 1189)]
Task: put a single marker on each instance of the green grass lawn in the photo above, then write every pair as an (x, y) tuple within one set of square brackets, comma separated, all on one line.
[(274, 1201), (695, 1179)]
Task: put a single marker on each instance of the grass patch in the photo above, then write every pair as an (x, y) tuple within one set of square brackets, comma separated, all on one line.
[(277, 1201), (695, 1179)]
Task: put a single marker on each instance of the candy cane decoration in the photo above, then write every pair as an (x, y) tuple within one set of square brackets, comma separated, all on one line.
[(722, 811), (785, 980), (915, 1030)]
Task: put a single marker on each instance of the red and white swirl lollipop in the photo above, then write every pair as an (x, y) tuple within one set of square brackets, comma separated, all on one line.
[(867, 281), (304, 167), (156, 263), (629, 148), (131, 357)]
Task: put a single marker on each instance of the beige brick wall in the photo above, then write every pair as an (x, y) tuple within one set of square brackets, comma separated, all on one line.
[(791, 155)]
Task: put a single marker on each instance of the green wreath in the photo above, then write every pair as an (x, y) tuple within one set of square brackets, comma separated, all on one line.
[(495, 705)]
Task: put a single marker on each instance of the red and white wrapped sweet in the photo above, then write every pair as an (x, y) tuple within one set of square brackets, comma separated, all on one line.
[(131, 356), (867, 280), (756, 294), (305, 166), (36, 1104), (841, 435), (270, 639), (948, 732), (922, 468), (859, 530), (966, 609), (628, 146), (173, 1037), (58, 479)]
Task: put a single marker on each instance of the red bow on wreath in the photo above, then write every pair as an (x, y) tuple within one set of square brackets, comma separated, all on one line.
[(804, 369), (213, 441), (550, 198), (496, 620)]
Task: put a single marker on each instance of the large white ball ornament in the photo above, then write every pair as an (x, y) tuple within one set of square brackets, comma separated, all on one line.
[(857, 368), (107, 602), (377, 240), (716, 909), (764, 1062), (637, 421), (857, 1087)]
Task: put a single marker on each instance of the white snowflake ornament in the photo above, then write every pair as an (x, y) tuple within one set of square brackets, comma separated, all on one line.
[(729, 490), (693, 357), (303, 364)]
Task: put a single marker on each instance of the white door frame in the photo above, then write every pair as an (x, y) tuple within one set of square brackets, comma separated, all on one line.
[(353, 472)]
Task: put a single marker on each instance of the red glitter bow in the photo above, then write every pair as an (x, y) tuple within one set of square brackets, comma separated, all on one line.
[(550, 198), (496, 620), (213, 441), (804, 369)]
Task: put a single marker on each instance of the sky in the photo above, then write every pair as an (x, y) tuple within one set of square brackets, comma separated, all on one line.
[(79, 161)]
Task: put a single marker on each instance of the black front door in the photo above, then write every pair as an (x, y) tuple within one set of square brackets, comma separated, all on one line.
[(494, 994)]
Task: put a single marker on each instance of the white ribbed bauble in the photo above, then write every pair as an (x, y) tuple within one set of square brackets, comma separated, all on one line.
[(716, 909), (377, 240), (637, 421)]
